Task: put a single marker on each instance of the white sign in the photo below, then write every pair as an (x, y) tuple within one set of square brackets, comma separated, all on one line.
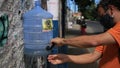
[(53, 8)]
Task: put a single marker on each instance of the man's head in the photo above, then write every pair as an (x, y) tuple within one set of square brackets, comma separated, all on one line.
[(111, 7), (114, 9), (105, 18)]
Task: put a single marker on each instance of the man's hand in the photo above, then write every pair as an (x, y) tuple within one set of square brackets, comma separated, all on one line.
[(58, 41), (58, 58)]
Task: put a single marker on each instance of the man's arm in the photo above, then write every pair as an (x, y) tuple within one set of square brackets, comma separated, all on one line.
[(85, 58), (79, 59), (90, 40)]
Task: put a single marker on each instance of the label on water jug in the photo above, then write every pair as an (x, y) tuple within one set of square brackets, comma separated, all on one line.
[(47, 25)]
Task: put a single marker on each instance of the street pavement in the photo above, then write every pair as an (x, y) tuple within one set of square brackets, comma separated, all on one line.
[(92, 28)]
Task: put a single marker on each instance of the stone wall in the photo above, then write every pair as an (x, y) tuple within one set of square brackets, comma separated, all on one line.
[(11, 54)]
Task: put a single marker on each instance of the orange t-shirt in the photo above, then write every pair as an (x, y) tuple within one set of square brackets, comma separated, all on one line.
[(110, 53)]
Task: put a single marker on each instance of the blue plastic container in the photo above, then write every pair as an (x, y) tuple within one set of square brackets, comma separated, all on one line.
[(37, 30)]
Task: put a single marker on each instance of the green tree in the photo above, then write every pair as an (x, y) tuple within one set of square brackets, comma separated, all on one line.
[(88, 8)]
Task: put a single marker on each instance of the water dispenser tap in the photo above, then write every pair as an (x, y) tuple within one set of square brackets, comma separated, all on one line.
[(50, 47)]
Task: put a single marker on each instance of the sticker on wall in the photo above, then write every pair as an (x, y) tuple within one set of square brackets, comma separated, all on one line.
[(4, 23), (47, 25)]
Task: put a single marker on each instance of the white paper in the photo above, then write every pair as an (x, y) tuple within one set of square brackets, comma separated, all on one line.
[(53, 8)]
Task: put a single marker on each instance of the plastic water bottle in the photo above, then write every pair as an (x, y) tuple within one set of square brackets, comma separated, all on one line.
[(37, 30)]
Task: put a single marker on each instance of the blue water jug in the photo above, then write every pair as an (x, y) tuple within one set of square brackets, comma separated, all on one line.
[(37, 30)]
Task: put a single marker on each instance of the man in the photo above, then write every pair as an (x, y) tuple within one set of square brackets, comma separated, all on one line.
[(107, 44), (105, 20)]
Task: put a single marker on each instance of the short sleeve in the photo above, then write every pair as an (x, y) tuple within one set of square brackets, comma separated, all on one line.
[(115, 32), (99, 49)]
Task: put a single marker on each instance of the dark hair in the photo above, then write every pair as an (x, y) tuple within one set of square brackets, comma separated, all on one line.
[(116, 3)]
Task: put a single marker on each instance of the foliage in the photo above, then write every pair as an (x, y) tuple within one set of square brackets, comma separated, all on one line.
[(88, 8)]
